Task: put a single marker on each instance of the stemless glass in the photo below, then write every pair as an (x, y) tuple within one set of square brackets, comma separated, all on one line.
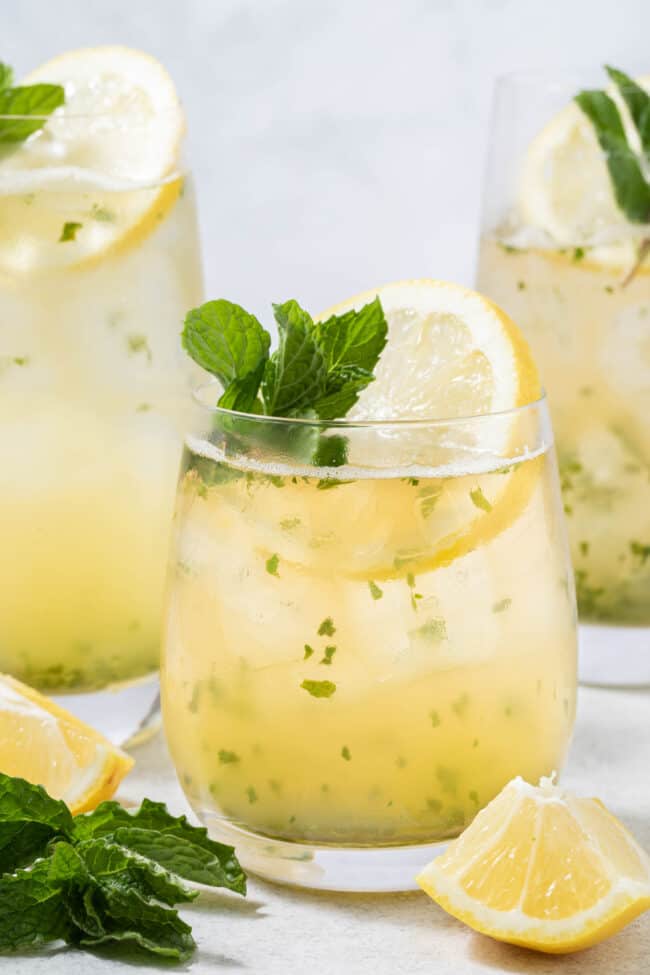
[(560, 257), (98, 263), (357, 659)]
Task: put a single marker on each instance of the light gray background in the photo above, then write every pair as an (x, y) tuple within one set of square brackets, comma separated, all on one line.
[(337, 145)]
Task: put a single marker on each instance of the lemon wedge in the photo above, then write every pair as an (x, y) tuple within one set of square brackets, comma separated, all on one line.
[(105, 164), (541, 868), (566, 191), (45, 744)]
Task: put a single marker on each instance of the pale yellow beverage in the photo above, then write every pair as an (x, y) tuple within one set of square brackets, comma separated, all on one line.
[(589, 328), (98, 262), (365, 659)]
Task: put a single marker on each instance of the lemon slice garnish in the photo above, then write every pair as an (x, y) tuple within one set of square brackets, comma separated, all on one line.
[(105, 163), (541, 868), (45, 744), (566, 191)]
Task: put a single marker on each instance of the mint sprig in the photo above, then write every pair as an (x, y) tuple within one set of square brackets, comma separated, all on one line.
[(106, 876), (24, 101), (628, 166), (317, 371)]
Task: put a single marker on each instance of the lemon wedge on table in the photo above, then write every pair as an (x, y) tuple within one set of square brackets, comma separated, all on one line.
[(450, 353), (45, 744), (541, 868), (105, 163), (566, 190)]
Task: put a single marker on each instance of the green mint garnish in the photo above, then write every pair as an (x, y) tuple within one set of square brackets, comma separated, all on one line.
[(23, 101), (319, 688), (308, 652), (433, 630), (327, 627), (625, 164), (102, 214), (345, 753), (139, 345), (435, 719), (272, 565), (375, 591), (317, 371), (251, 793), (329, 653), (578, 253), (479, 499), (105, 876), (69, 231), (502, 605)]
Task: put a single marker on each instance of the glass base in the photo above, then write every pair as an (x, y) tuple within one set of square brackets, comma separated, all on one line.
[(353, 869), (126, 714), (614, 656)]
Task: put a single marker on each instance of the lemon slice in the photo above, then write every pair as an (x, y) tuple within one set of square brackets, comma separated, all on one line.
[(566, 191), (45, 744), (451, 353), (105, 164), (541, 868)]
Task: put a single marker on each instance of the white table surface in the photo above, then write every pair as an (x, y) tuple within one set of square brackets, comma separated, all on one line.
[(280, 931)]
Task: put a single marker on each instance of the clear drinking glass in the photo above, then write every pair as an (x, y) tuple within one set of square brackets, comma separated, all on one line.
[(98, 263), (357, 659), (562, 259)]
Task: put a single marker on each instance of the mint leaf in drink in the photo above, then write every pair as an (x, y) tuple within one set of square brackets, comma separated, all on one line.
[(231, 344), (319, 688), (24, 101), (637, 100), (69, 231), (351, 344), (294, 377), (331, 451), (631, 189)]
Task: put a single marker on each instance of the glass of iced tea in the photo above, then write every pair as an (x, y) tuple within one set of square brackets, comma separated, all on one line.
[(99, 259), (357, 658), (565, 251)]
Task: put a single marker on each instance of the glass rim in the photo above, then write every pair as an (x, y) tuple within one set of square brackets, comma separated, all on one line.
[(343, 424), (578, 75), (63, 117)]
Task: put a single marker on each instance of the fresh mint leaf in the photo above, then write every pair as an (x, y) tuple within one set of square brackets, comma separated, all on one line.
[(29, 818), (327, 627), (294, 377), (215, 860), (342, 391), (30, 100), (231, 344), (128, 916), (32, 905), (631, 190), (479, 500), (6, 76), (637, 100), (351, 344), (331, 451)]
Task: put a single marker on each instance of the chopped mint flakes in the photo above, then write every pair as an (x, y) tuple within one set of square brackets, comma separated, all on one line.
[(479, 499), (375, 591), (642, 552), (139, 345), (319, 688), (309, 651), (102, 213), (226, 757), (272, 565), (434, 630), (69, 231), (502, 605), (327, 627), (345, 753), (288, 524), (329, 653)]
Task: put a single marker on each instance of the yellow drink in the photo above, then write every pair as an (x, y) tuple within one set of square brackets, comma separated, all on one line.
[(590, 334), (93, 401), (364, 661)]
